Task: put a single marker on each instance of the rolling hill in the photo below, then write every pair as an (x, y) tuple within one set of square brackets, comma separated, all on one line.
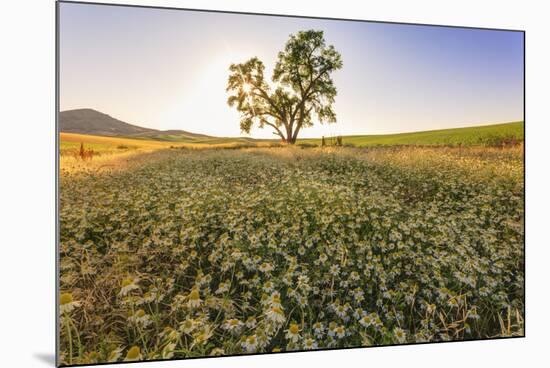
[(90, 121), (494, 134)]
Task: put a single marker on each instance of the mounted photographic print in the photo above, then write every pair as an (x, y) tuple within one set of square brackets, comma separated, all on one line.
[(233, 183)]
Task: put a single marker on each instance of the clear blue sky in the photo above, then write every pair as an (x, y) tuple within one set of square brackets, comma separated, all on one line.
[(167, 69)]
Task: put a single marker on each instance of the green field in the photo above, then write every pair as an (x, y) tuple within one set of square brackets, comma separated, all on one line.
[(488, 135), (485, 135)]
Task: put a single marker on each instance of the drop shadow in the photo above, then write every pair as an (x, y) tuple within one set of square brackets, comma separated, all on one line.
[(45, 358)]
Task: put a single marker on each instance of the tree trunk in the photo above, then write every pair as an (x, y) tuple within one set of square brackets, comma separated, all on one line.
[(290, 139)]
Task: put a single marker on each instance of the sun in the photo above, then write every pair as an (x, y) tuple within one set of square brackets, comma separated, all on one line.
[(247, 88)]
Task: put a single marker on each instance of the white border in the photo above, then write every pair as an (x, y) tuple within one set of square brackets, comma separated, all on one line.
[(27, 185)]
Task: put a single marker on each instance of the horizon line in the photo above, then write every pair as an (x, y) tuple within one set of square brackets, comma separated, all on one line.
[(334, 135)]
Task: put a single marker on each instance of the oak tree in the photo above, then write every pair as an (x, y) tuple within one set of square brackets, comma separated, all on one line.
[(301, 90)]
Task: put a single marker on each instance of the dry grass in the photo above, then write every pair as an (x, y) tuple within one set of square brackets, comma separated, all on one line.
[(115, 153)]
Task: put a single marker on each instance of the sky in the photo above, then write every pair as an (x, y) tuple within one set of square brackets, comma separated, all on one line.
[(168, 69)]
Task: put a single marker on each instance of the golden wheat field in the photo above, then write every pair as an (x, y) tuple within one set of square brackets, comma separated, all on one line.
[(179, 252)]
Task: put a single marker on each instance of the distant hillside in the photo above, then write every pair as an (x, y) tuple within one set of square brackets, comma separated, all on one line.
[(89, 121), (171, 135)]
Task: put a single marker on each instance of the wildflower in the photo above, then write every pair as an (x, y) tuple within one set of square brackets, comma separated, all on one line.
[(193, 299), (232, 325), (223, 287), (67, 304), (453, 302), (263, 338), (275, 315), (341, 311), (275, 299), (354, 276), (302, 301), (366, 320), (309, 344), (149, 296), (400, 335), (358, 295), (340, 331), (169, 333), (265, 267), (250, 322), (202, 336), (358, 313), (334, 270), (250, 343), (318, 329), (217, 352), (293, 332), (188, 326), (303, 283), (133, 354), (268, 286), (141, 318), (127, 285)]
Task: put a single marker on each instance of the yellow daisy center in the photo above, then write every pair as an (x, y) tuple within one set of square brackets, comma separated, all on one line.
[(133, 353), (66, 298), (294, 329), (126, 282), (194, 295)]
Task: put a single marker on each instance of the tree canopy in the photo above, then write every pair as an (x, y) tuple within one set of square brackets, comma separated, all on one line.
[(301, 90)]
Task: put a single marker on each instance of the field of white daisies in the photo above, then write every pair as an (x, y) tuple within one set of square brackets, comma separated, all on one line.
[(194, 253)]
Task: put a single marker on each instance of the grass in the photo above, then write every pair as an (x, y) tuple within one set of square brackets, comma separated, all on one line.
[(108, 153), (106, 145), (488, 135), (69, 142)]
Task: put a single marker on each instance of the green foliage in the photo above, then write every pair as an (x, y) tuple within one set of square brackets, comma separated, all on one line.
[(303, 88)]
